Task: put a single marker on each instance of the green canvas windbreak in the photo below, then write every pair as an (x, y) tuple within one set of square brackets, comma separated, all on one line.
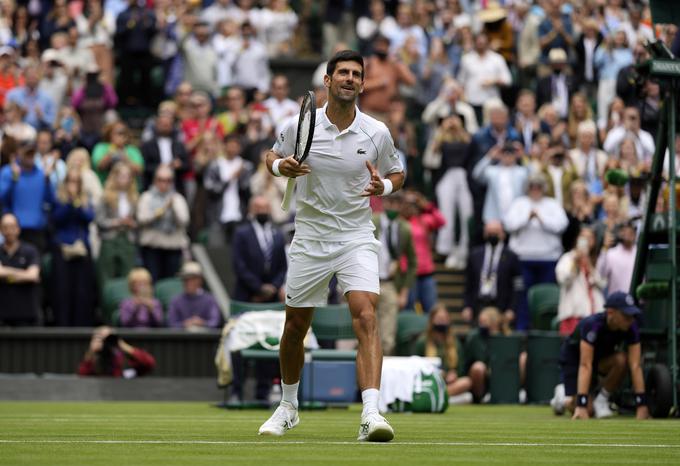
[(665, 11)]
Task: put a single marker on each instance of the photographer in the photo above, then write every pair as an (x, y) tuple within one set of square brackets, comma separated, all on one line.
[(560, 173), (578, 279), (110, 355)]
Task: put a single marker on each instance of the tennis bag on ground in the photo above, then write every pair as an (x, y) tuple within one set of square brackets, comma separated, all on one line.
[(429, 395)]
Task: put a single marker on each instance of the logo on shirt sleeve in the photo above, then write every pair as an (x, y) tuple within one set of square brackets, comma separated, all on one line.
[(591, 336)]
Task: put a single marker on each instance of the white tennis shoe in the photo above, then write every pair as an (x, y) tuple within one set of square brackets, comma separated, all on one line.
[(601, 407), (284, 418), (558, 402), (375, 428)]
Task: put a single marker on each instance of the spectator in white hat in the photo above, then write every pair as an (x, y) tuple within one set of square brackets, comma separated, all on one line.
[(55, 79), (195, 307)]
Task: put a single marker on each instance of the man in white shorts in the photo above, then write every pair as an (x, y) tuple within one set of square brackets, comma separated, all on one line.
[(334, 235)]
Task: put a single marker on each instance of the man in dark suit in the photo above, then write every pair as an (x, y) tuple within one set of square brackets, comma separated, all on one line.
[(165, 148), (493, 277), (259, 256), (585, 70), (558, 87)]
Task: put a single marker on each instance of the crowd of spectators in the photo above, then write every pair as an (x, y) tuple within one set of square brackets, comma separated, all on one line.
[(507, 117)]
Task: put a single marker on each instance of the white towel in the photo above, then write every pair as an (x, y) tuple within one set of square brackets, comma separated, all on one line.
[(256, 326), (248, 329), (400, 376)]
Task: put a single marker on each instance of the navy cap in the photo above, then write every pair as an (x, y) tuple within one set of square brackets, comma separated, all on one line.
[(622, 302)]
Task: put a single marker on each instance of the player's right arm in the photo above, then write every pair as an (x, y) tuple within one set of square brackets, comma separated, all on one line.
[(585, 372), (283, 149), (287, 167)]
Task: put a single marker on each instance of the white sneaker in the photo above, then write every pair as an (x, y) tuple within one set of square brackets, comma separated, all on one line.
[(375, 428), (601, 407), (558, 400), (462, 399), (284, 418)]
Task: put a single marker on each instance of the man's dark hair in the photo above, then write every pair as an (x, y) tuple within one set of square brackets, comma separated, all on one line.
[(232, 137), (344, 55)]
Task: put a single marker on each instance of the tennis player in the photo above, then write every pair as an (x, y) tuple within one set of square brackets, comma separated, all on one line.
[(352, 157)]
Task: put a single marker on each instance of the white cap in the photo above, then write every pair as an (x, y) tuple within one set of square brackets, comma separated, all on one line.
[(51, 55)]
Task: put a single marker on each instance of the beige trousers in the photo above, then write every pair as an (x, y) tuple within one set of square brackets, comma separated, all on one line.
[(387, 312)]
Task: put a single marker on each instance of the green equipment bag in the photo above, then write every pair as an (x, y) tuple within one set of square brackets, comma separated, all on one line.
[(429, 395)]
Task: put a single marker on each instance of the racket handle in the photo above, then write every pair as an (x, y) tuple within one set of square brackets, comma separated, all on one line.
[(285, 204)]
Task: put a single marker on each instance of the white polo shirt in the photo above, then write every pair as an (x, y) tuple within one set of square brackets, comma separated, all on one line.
[(329, 202)]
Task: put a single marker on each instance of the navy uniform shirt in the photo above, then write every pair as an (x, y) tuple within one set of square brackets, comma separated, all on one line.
[(19, 300), (594, 331)]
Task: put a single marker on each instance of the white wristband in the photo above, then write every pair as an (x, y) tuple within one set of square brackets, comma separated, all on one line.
[(387, 187), (275, 167)]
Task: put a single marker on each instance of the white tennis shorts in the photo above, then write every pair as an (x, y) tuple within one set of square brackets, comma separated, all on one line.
[(313, 263)]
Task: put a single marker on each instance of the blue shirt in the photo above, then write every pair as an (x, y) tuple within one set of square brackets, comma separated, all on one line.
[(558, 41), (610, 62), (29, 101), (605, 342), (26, 197), (72, 223)]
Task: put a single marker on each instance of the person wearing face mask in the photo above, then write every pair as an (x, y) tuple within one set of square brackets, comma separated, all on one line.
[(425, 219), (259, 256), (557, 87), (581, 285), (383, 77), (493, 276), (397, 266), (439, 341)]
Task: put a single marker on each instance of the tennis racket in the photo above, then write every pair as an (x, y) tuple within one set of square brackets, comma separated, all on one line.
[(303, 141)]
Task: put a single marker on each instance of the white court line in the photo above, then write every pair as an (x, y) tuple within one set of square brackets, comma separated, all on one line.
[(321, 442)]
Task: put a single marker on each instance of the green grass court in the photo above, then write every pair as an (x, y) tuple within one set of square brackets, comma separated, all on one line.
[(46, 433)]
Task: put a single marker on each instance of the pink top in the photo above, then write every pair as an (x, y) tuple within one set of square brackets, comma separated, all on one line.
[(616, 266), (421, 228), (110, 97)]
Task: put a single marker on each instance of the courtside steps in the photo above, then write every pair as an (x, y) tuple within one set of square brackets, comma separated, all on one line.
[(450, 290)]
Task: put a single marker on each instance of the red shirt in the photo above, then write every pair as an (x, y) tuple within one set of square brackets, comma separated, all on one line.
[(139, 360), (8, 82), (192, 129), (422, 227)]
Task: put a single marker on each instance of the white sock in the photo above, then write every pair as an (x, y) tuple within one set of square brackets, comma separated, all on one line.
[(604, 394), (290, 393), (370, 398)]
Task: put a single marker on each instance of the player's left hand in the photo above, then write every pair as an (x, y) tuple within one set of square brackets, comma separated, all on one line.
[(581, 413), (642, 412), (376, 186)]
